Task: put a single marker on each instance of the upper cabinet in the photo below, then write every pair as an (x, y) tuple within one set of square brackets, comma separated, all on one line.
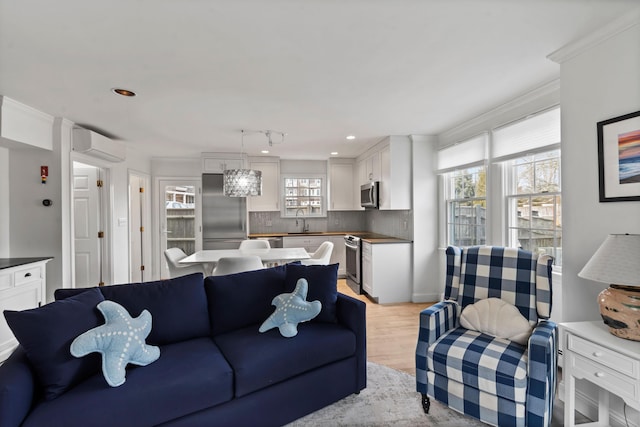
[(341, 188), (270, 198), (390, 163), (218, 162)]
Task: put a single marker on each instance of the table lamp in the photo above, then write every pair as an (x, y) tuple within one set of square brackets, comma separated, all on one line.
[(617, 262)]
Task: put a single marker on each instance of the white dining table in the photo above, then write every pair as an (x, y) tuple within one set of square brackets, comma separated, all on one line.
[(268, 256)]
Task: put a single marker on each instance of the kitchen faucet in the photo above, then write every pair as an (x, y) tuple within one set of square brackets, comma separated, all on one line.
[(305, 227)]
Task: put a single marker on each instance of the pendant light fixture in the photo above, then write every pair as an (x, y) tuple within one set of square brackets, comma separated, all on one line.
[(242, 182)]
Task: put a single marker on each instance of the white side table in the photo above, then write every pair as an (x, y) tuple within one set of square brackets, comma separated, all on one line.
[(592, 353)]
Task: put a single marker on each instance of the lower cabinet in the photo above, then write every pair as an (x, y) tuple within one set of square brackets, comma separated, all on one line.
[(312, 243), (387, 271), (21, 287)]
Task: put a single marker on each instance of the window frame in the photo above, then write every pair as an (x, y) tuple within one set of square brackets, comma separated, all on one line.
[(511, 195), (323, 195), (450, 199)]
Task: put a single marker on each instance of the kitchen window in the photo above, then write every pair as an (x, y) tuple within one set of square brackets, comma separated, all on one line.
[(304, 195)]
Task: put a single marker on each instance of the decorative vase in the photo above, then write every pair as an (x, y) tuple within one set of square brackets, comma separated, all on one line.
[(620, 310)]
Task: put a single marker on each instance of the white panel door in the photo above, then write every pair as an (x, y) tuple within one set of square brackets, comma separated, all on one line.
[(86, 213)]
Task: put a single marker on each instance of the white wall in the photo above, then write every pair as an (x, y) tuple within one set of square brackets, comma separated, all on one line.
[(426, 262), (36, 230), (5, 204), (599, 83)]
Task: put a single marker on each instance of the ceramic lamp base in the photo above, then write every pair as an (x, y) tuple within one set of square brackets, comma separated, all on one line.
[(620, 310)]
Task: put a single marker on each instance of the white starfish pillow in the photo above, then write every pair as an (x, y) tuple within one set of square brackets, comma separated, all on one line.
[(121, 340)]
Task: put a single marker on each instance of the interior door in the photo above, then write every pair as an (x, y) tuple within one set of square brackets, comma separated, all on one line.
[(139, 230), (180, 218), (87, 214)]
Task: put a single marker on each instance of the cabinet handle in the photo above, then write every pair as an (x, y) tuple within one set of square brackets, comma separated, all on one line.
[(597, 354), (599, 374), (27, 275)]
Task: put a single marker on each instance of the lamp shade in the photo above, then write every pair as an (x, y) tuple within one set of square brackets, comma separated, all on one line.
[(617, 261), (242, 182)]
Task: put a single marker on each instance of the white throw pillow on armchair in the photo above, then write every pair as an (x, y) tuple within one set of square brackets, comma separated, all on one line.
[(497, 318)]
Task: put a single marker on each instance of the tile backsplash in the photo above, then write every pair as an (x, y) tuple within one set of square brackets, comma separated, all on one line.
[(390, 223)]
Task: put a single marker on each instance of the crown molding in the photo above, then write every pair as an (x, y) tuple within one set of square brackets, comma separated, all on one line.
[(587, 42)]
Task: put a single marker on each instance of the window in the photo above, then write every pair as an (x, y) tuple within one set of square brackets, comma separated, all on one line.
[(466, 206), (304, 196), (534, 209)]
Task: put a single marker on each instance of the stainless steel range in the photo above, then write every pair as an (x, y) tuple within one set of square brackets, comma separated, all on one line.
[(353, 262)]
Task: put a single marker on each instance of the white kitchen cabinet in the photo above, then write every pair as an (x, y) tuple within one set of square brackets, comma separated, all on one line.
[(371, 168), (22, 287), (395, 175), (309, 243), (312, 243), (270, 198), (218, 162), (387, 271), (341, 186)]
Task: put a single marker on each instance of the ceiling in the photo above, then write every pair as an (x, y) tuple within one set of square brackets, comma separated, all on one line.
[(317, 70)]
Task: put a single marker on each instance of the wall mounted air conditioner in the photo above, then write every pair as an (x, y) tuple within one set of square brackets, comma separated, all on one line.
[(96, 145)]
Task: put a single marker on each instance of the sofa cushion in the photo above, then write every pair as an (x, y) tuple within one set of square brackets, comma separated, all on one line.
[(45, 334), (189, 377), (120, 341), (493, 365), (323, 286), (262, 359), (243, 299), (179, 306)]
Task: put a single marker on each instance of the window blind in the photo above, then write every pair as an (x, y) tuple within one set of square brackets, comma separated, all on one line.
[(531, 134), (470, 152)]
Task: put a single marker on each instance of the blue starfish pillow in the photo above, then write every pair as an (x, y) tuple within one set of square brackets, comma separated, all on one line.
[(121, 340), (292, 309)]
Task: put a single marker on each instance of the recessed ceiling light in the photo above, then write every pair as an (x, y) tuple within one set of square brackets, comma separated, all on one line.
[(334, 153), (350, 137), (265, 151), (123, 92)]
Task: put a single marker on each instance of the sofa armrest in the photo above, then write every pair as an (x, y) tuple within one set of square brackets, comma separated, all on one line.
[(17, 389), (543, 367), (352, 315), (434, 322)]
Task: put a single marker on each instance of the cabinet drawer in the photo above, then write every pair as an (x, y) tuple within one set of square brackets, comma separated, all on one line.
[(27, 275), (5, 281), (609, 379), (604, 356)]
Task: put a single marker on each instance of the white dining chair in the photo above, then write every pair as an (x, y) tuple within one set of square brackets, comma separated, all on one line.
[(255, 244), (320, 257), (173, 256), (230, 265)]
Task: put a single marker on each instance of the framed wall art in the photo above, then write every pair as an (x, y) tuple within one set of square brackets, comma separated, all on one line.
[(619, 158)]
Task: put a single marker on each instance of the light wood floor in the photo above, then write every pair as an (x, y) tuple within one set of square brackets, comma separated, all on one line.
[(392, 331)]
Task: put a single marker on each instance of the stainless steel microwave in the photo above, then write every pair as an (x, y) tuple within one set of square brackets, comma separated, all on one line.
[(369, 195)]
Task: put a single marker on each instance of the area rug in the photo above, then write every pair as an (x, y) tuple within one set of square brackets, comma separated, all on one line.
[(390, 399)]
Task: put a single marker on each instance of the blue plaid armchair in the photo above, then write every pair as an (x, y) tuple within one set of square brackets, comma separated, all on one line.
[(495, 380)]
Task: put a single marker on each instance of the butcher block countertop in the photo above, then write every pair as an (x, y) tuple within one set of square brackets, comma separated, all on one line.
[(373, 238)]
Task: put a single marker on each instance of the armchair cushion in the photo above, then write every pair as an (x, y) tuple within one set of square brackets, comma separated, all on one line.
[(497, 318), (493, 365)]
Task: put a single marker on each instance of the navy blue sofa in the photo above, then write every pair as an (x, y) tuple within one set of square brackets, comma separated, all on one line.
[(215, 368)]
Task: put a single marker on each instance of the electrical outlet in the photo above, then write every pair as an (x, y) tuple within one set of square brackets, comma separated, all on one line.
[(405, 225)]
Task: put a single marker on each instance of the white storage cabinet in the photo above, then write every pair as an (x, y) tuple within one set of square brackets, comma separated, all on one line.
[(21, 287), (387, 271)]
